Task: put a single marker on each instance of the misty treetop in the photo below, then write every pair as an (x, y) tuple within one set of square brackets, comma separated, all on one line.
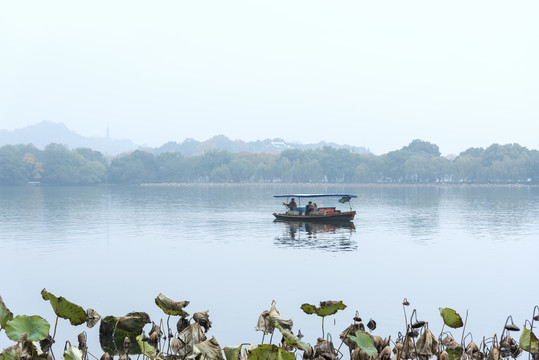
[(418, 162)]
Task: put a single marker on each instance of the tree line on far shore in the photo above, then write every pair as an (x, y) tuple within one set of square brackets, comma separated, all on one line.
[(420, 162)]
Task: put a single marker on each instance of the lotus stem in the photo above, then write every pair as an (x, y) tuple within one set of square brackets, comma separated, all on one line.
[(271, 337), (342, 342), (55, 325), (323, 317), (168, 332), (89, 353), (263, 335), (464, 329)]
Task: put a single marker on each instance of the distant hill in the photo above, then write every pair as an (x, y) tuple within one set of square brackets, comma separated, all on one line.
[(191, 147), (46, 132)]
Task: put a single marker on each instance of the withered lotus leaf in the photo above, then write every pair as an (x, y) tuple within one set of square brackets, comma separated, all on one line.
[(293, 341), (29, 349), (365, 342), (326, 308), (92, 317), (269, 318), (451, 318), (325, 349), (182, 324), (232, 352), (378, 342), (131, 324), (203, 319), (65, 309), (494, 354), (46, 343), (426, 345), (171, 307), (34, 327), (11, 353), (444, 355), (471, 348), (190, 336), (385, 354), (5, 314), (72, 353), (114, 329), (106, 356), (275, 318), (264, 324), (140, 314), (208, 350), (528, 341), (176, 345), (269, 352), (156, 329), (145, 348)]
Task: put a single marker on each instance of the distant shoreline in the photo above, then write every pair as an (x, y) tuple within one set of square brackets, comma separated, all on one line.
[(208, 184)]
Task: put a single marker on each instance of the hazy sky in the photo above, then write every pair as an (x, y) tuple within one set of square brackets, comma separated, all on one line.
[(377, 74)]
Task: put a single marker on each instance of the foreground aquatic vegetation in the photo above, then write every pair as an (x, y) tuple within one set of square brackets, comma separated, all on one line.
[(123, 336)]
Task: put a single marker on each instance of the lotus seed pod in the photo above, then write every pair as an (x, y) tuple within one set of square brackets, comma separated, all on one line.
[(512, 327), (106, 356), (418, 324), (371, 324)]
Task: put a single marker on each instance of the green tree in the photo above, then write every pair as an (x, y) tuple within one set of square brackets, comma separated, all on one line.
[(136, 168), (13, 170)]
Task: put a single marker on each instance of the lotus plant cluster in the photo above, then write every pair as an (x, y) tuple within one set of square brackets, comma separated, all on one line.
[(135, 334)]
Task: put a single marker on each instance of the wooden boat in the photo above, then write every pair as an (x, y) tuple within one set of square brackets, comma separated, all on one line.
[(323, 214)]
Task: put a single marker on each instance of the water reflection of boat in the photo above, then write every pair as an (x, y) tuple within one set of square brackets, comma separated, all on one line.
[(324, 236), (322, 214)]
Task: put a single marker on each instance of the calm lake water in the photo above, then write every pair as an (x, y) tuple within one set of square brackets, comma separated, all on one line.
[(114, 249)]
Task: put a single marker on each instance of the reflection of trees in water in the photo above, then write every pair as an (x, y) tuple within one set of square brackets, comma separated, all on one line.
[(328, 237)]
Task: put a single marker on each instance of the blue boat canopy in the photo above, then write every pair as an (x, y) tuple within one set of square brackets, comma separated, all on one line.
[(301, 196)]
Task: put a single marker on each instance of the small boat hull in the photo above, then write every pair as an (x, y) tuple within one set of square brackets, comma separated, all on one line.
[(335, 217)]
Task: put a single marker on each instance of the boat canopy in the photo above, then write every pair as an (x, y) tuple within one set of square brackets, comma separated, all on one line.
[(301, 196)]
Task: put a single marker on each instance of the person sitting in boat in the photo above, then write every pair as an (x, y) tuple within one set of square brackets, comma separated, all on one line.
[(309, 208), (291, 205)]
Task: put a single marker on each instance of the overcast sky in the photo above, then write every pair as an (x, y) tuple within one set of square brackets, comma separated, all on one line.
[(377, 74)]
